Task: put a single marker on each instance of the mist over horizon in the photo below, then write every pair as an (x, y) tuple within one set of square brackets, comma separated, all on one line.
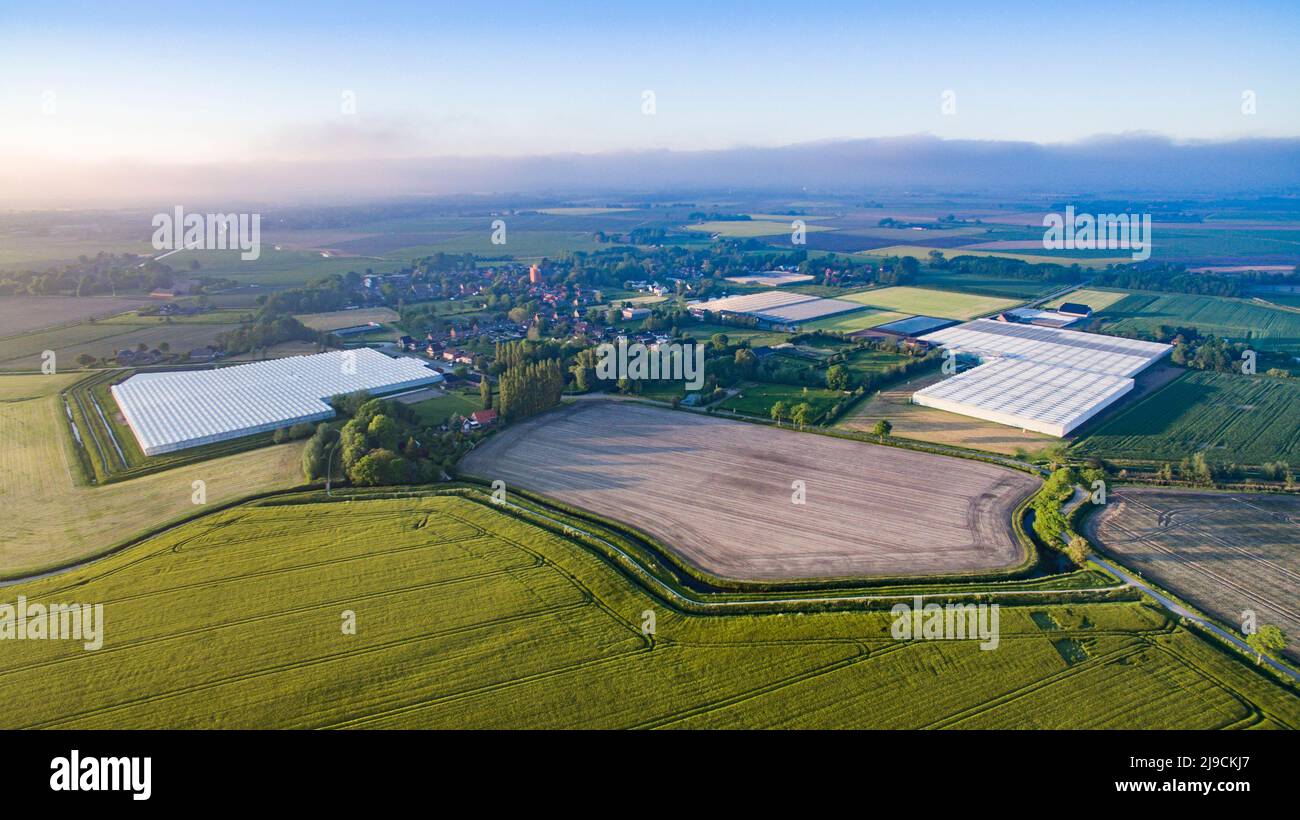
[(1109, 164)]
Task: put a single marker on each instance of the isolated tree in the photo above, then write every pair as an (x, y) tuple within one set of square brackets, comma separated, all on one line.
[(1201, 469), (745, 361), (882, 428), (1267, 640), (1078, 550), (485, 393), (779, 411), (86, 360), (801, 414), (837, 377)]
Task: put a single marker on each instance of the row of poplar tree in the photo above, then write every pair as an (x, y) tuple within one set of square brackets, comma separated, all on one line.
[(527, 387)]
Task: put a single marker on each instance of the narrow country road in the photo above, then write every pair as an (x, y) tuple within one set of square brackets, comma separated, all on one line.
[(1180, 610)]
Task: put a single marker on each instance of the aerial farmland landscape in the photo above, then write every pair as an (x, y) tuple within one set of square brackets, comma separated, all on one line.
[(394, 369)]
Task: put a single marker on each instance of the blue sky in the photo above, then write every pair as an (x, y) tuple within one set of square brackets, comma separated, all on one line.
[(190, 82)]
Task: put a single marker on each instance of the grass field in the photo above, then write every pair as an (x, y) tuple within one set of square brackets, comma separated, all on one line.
[(718, 492), (924, 301), (1230, 417), (1098, 300), (1224, 553), (872, 362), (347, 318), (756, 338), (851, 322), (469, 618), (894, 404), (49, 518), (1265, 327), (433, 412), (756, 399)]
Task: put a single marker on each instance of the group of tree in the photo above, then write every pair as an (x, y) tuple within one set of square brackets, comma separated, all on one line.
[(104, 273), (266, 330), (382, 442), (1177, 279), (528, 388), (801, 414), (1049, 521), (1198, 469)]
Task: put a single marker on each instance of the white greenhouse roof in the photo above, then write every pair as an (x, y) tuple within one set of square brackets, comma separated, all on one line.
[(1025, 394), (174, 410), (779, 306), (1072, 349)]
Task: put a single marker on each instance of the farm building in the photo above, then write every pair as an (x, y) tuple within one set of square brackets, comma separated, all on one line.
[(1113, 355), (772, 278), (1044, 318), (1036, 378), (175, 410)]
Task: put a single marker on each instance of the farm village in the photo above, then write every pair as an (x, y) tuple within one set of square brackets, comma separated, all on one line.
[(500, 463)]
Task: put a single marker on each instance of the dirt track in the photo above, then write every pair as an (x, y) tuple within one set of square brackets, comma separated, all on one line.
[(1223, 552), (719, 492)]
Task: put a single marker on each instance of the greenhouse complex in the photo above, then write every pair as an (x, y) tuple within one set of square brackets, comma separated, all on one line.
[(175, 410)]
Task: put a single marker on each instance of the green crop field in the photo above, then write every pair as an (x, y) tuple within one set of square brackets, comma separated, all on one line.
[(1237, 319), (1009, 287), (52, 517), (466, 616), (1230, 417), (924, 301)]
